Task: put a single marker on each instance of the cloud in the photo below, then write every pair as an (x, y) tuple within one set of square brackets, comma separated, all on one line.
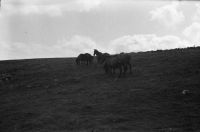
[(81, 44), (170, 15), (51, 8), (76, 45), (146, 42), (196, 16), (64, 48), (192, 32), (4, 50), (87, 5)]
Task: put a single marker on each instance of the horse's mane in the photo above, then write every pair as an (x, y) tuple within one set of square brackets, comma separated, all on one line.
[(96, 52)]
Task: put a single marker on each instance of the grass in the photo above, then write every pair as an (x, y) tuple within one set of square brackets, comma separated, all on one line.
[(55, 95)]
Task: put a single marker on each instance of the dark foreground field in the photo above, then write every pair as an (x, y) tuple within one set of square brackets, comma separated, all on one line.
[(55, 95)]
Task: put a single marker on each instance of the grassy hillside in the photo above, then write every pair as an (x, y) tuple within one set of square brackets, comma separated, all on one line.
[(55, 95)]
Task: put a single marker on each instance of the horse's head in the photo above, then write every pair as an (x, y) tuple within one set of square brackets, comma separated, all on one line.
[(95, 52)]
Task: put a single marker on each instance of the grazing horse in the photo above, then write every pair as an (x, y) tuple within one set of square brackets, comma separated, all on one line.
[(79, 59), (119, 61), (100, 56), (112, 63), (125, 61), (84, 58)]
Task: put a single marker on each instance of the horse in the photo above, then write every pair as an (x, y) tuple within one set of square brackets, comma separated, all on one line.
[(100, 56), (118, 61), (89, 58), (125, 61), (79, 59), (84, 58), (111, 64)]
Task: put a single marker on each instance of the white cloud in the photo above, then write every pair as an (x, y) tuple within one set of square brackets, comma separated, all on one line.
[(146, 42), (64, 48), (196, 16), (170, 15), (192, 32), (76, 45), (81, 44), (4, 50), (4, 26), (87, 5), (51, 8)]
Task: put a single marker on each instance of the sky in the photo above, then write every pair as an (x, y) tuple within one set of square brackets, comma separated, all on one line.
[(66, 28)]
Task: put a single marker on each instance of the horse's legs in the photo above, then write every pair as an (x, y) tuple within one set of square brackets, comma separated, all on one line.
[(120, 71), (106, 68), (109, 70), (113, 70), (130, 68), (125, 68)]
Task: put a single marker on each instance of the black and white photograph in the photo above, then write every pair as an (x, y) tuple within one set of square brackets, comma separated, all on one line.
[(99, 66)]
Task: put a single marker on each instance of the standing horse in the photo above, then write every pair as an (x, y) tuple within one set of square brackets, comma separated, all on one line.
[(79, 59), (100, 56), (119, 61), (111, 64), (89, 58), (84, 58), (125, 61)]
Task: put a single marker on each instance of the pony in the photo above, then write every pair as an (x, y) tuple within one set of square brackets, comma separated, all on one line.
[(79, 59), (84, 58), (112, 63), (100, 56), (125, 61), (119, 61)]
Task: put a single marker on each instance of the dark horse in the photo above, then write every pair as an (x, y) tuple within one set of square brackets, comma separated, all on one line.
[(119, 61), (100, 56), (84, 59), (125, 61), (112, 63)]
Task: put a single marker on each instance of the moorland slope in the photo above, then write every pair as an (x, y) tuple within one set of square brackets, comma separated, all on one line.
[(55, 95)]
